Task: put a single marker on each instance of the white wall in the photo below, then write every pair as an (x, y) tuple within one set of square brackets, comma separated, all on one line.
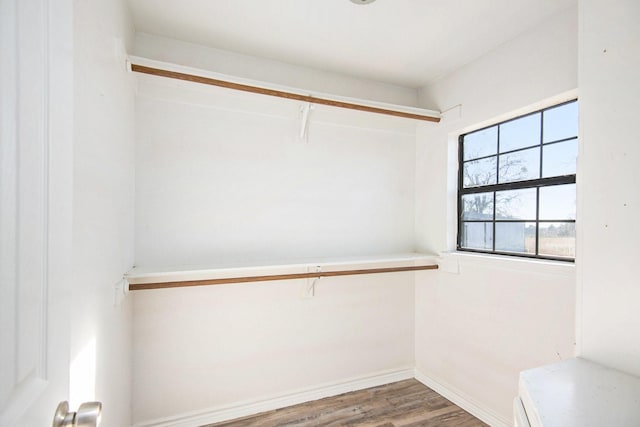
[(608, 179), (260, 69), (103, 227), (477, 328), (221, 176), (215, 348)]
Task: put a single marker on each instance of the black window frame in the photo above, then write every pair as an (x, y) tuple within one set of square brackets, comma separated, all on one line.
[(537, 183)]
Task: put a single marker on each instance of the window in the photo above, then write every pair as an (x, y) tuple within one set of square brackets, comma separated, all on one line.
[(517, 186)]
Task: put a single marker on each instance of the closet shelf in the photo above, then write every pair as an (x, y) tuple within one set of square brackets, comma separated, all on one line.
[(143, 278), (194, 75)]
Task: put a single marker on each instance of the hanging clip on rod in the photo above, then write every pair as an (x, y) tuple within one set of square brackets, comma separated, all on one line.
[(304, 121), (310, 287)]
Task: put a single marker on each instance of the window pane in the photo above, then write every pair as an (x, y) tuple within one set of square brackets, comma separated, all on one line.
[(480, 172), (520, 133), (477, 235), (516, 204), (557, 239), (517, 237), (520, 165), (480, 144), (559, 159), (558, 202), (561, 122), (516, 168), (477, 206)]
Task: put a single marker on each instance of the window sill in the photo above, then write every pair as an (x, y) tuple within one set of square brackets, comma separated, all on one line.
[(450, 262)]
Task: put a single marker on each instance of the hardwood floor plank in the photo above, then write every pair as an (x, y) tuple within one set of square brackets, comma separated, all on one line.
[(402, 404)]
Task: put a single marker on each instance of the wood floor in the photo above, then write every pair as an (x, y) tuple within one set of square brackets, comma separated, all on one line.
[(405, 403)]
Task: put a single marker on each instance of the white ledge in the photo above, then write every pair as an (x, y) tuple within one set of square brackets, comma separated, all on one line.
[(450, 260)]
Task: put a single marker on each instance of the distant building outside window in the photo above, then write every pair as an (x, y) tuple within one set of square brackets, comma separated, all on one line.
[(517, 186)]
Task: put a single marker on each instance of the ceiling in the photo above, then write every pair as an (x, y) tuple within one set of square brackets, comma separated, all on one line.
[(403, 42)]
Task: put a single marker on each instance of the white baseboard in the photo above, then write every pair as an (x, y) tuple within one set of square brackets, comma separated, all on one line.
[(251, 407), (463, 401)]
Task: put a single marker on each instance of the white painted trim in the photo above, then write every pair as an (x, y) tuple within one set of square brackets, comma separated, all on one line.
[(462, 400), (250, 407)]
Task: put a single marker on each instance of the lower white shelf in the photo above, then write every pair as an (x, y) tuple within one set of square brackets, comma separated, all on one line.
[(242, 272)]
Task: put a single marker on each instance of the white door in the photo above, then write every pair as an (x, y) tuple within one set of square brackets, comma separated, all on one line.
[(36, 96)]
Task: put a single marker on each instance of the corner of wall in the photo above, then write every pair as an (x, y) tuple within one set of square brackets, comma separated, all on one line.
[(103, 208)]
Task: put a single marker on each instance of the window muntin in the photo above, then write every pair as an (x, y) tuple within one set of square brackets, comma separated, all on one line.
[(516, 185)]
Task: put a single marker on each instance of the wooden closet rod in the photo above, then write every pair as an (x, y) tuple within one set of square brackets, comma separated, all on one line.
[(278, 93), (312, 275)]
